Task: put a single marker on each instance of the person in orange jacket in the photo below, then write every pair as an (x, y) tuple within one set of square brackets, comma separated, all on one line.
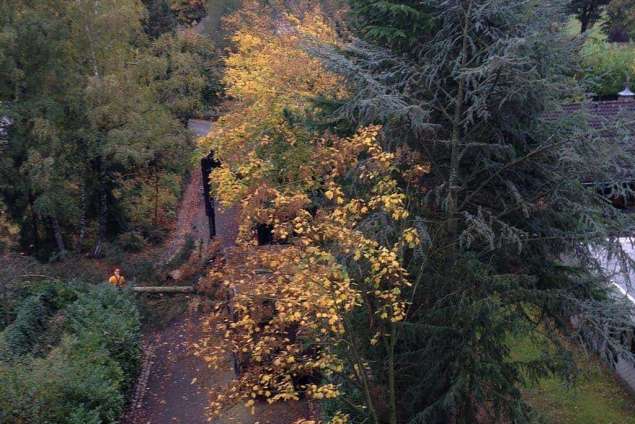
[(117, 279)]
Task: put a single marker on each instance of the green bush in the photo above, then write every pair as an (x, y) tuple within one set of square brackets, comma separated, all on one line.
[(109, 317), (608, 67), (183, 254), (30, 323), (131, 241), (75, 378), (144, 271), (84, 378), (41, 301)]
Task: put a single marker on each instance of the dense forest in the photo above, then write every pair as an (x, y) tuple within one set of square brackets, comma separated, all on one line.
[(98, 94), (422, 192)]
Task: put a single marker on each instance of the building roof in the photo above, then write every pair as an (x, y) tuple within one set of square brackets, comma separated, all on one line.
[(601, 113)]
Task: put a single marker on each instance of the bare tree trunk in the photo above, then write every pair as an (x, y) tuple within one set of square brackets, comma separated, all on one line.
[(164, 289), (360, 371), (57, 233), (34, 226), (585, 18), (156, 198), (91, 44), (82, 217), (101, 225), (584, 25), (392, 387)]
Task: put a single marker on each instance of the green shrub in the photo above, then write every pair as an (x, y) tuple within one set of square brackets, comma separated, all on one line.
[(144, 270), (21, 335), (84, 378), (82, 416), (75, 380), (41, 302), (608, 67), (183, 255), (114, 252), (131, 241), (109, 317)]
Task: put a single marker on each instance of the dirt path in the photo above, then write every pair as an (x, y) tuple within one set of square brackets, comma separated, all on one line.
[(191, 218), (174, 384), (178, 385)]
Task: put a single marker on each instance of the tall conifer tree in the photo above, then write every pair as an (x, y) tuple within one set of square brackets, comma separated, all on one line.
[(511, 225)]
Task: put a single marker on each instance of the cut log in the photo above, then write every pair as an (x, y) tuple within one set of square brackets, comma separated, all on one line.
[(164, 289)]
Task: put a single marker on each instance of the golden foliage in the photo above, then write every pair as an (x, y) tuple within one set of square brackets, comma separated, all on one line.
[(290, 302)]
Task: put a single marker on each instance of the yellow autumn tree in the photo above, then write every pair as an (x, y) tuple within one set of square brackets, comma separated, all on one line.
[(292, 302)]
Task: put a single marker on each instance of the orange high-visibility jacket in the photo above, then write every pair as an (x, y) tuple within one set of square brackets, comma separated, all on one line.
[(117, 281)]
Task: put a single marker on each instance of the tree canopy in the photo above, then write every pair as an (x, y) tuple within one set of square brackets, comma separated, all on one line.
[(450, 214), (97, 108)]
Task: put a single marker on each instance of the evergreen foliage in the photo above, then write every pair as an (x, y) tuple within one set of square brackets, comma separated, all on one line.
[(510, 224), (35, 307), (398, 24), (160, 19), (83, 378), (108, 319), (23, 333)]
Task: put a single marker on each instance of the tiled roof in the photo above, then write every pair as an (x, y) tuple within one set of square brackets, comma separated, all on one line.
[(601, 113), (613, 120)]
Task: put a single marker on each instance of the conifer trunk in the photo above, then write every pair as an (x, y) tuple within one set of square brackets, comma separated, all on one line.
[(57, 233), (156, 199), (102, 219), (34, 222), (392, 395), (82, 217), (453, 179), (585, 19), (102, 222)]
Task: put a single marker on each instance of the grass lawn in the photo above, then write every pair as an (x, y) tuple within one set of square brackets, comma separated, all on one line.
[(597, 398)]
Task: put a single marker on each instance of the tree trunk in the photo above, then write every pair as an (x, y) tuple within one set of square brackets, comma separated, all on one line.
[(584, 24), (392, 387), (82, 217), (360, 371), (34, 227), (156, 199), (585, 19), (453, 179), (102, 222), (57, 233), (164, 289)]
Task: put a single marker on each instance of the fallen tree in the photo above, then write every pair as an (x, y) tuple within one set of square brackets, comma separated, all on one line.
[(164, 289)]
